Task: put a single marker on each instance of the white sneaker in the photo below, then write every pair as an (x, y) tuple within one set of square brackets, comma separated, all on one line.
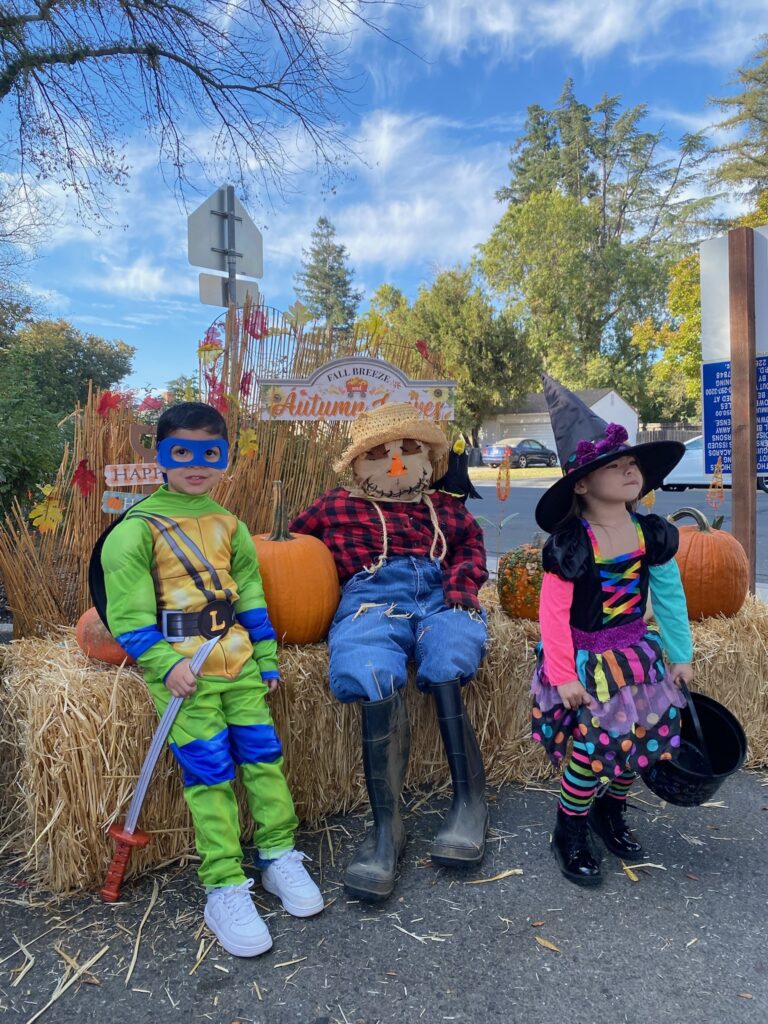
[(287, 878), (235, 921)]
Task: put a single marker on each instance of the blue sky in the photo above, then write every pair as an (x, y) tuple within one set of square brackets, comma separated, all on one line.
[(433, 135)]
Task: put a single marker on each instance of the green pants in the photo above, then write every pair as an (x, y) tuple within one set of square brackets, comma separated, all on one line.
[(224, 724)]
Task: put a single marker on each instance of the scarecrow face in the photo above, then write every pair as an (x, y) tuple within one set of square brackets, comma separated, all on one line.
[(397, 470)]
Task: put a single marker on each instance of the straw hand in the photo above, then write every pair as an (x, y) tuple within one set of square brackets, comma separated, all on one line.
[(681, 671), (181, 680), (573, 695)]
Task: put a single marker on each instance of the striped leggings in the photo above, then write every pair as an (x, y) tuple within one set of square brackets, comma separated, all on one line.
[(579, 783)]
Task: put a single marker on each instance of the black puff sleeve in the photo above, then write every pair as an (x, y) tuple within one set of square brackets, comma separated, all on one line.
[(661, 539), (567, 552)]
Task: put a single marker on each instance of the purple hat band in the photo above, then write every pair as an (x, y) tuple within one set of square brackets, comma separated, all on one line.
[(614, 439)]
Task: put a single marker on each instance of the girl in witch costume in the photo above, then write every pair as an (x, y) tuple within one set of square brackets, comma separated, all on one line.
[(601, 678), (411, 562), (175, 570)]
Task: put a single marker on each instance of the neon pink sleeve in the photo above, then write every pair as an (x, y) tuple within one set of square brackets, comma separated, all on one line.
[(554, 618)]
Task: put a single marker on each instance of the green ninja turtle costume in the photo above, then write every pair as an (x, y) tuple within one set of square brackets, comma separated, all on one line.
[(179, 569)]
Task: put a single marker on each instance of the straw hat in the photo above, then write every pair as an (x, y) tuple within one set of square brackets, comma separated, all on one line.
[(585, 442), (390, 423)]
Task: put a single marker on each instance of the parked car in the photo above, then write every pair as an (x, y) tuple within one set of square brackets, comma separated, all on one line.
[(522, 453), (689, 472)]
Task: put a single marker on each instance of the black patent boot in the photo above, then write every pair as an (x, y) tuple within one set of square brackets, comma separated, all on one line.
[(461, 840), (386, 745), (607, 818), (573, 850)]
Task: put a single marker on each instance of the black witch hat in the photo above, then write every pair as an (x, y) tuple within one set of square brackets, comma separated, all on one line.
[(585, 442)]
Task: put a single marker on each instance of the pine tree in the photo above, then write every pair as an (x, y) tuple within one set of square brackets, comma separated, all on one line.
[(324, 282), (746, 157)]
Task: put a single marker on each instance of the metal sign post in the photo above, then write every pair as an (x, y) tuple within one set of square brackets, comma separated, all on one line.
[(222, 237)]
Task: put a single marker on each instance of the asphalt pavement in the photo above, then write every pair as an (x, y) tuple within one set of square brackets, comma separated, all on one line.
[(520, 525), (682, 940)]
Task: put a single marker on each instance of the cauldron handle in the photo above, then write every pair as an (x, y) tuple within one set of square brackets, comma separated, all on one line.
[(697, 726)]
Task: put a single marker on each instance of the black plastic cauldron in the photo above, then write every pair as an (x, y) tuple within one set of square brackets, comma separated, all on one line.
[(712, 747)]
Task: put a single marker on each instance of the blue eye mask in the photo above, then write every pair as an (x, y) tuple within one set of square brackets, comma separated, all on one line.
[(195, 453)]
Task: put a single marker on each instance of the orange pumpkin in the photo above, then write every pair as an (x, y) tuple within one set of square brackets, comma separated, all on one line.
[(520, 573), (301, 584), (95, 640), (713, 566)]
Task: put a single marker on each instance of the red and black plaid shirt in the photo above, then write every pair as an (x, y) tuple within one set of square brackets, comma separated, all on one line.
[(352, 531)]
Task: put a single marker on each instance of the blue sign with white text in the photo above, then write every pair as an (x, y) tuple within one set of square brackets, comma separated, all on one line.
[(716, 413)]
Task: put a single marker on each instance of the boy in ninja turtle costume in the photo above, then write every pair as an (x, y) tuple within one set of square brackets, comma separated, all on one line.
[(175, 570), (411, 562)]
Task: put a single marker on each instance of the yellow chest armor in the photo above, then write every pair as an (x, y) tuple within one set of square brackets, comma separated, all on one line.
[(191, 567)]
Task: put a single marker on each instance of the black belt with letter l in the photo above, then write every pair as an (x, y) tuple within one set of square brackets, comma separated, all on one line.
[(216, 619)]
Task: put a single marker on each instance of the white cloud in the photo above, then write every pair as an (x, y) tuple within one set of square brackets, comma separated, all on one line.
[(143, 278), (715, 31), (425, 198)]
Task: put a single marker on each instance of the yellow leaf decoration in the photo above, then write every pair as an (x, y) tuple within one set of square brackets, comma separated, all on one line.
[(246, 443), (48, 513), (716, 491), (648, 500), (503, 483), (496, 878), (547, 944), (629, 873)]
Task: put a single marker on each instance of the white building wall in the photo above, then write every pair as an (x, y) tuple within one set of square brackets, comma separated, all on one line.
[(613, 409)]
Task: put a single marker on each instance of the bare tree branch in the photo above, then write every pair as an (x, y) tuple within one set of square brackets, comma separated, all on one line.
[(230, 88)]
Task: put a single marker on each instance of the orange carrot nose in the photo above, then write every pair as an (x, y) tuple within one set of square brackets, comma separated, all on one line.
[(397, 468)]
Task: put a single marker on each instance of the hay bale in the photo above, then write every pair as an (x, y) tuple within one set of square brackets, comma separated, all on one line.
[(74, 734)]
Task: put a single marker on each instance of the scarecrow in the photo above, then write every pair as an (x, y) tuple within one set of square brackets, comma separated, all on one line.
[(411, 562)]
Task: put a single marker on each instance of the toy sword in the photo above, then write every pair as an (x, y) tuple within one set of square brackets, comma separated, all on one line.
[(128, 836)]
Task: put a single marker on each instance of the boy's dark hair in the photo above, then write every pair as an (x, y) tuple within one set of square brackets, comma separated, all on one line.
[(191, 416)]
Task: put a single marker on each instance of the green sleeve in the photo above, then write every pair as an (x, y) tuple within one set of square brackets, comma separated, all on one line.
[(245, 572), (126, 559)]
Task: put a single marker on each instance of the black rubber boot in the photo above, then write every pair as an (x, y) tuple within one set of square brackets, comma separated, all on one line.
[(461, 840), (607, 819), (386, 745), (573, 850)]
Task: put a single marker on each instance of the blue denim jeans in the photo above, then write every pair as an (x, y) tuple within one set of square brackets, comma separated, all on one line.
[(395, 616)]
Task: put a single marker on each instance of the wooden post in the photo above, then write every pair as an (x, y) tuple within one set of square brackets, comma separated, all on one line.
[(741, 281)]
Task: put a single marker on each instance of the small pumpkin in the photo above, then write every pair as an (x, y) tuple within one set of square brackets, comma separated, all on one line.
[(300, 580), (519, 577), (713, 566), (94, 640)]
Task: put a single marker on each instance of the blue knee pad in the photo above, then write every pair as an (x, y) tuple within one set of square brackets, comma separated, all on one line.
[(253, 744), (205, 762)]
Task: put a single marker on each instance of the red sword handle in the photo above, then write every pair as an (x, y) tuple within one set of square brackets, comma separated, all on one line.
[(110, 892)]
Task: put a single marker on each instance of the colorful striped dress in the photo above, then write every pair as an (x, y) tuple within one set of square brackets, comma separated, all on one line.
[(593, 630)]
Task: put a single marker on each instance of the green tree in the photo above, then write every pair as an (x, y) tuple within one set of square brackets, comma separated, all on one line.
[(596, 214), (385, 321), (674, 384), (745, 155), (324, 282), (58, 361), (483, 351), (32, 443), (183, 388), (673, 344)]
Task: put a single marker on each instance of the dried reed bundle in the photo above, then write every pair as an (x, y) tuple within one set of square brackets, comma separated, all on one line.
[(46, 575)]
